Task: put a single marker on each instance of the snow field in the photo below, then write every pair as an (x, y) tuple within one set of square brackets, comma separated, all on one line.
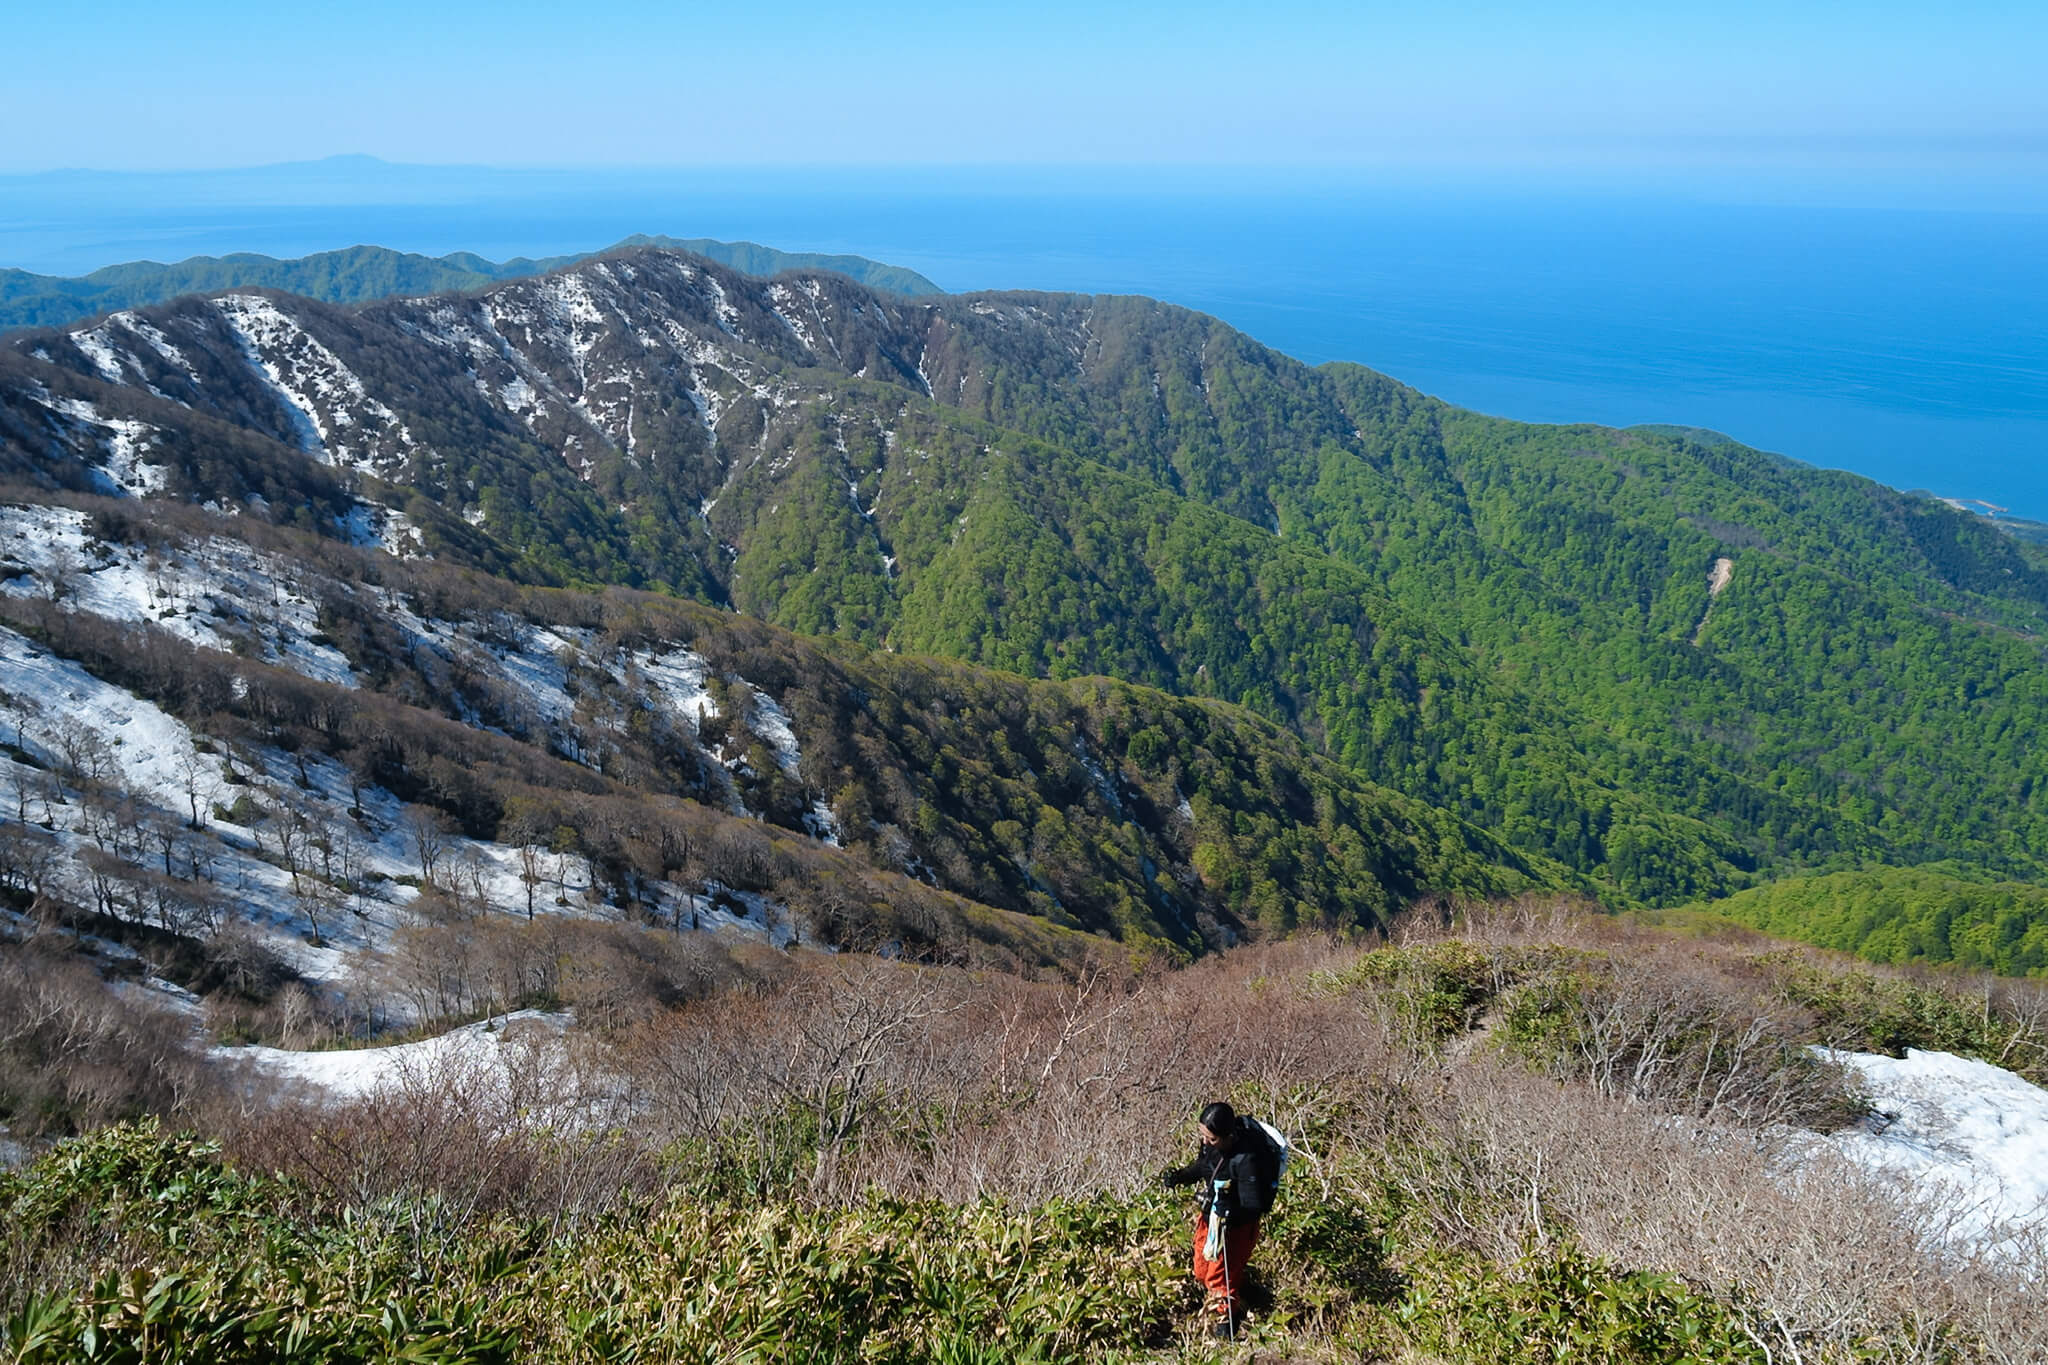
[(221, 594), (156, 760), (150, 749)]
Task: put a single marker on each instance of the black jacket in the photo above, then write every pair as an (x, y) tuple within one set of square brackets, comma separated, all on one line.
[(1249, 1171)]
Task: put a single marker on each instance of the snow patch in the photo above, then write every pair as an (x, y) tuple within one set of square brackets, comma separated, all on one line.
[(822, 824), (156, 340), (400, 537), (771, 723), (578, 323), (96, 347), (1966, 1131), (1099, 778), (519, 396), (678, 679), (123, 441), (323, 399), (150, 749), (721, 306), (494, 1050)]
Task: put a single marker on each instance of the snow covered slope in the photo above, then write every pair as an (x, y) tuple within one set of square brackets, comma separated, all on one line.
[(147, 818), (1973, 1136)]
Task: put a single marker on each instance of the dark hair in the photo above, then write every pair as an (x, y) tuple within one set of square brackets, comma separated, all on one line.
[(1220, 1119)]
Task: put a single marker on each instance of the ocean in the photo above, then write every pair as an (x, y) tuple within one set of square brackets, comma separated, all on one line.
[(1906, 344)]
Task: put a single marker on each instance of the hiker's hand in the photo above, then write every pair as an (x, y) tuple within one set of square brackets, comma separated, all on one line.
[(1173, 1178)]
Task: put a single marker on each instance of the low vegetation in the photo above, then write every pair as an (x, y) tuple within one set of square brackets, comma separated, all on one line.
[(1536, 1136)]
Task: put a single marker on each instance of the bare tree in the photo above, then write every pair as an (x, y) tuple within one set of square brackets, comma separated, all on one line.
[(23, 778), (50, 792), (164, 833), (292, 828), (531, 873), (565, 843), (318, 900), (62, 575), (199, 781), (428, 830), (15, 711), (84, 752), (28, 856), (472, 875), (351, 864)]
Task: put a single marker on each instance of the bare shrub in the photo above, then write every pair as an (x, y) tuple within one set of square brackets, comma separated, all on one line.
[(75, 1052), (742, 858), (1668, 1029), (610, 974), (1817, 1257), (244, 963), (538, 1131), (993, 1085)]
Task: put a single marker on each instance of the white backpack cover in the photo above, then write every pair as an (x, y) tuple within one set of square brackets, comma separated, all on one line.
[(1280, 1145)]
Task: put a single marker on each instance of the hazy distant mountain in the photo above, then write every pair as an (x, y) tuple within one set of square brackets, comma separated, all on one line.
[(362, 273)]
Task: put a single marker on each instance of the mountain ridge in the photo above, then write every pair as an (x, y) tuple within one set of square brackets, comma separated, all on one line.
[(813, 452), (364, 273)]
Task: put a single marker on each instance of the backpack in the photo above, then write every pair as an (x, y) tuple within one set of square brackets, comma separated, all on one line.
[(1280, 1152)]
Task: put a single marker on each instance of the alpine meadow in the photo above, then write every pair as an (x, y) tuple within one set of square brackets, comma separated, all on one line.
[(665, 806)]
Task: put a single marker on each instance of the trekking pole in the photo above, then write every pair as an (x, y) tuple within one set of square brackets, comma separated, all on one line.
[(1229, 1291), (1218, 1249)]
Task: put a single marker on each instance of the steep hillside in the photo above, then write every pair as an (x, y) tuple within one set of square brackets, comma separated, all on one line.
[(211, 721), (1665, 662), (1533, 1141)]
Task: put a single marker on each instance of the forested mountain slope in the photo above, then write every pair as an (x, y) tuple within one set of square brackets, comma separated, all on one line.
[(679, 757), (1665, 662)]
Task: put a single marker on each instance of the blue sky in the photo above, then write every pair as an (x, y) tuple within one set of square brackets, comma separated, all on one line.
[(1882, 86)]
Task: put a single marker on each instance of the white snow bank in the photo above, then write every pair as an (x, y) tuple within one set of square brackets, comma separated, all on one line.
[(495, 1049), (1967, 1132)]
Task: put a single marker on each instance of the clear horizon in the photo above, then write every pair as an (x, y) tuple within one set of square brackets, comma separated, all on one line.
[(1304, 82)]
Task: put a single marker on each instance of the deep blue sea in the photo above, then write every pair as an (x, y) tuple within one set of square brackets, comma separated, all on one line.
[(1910, 345)]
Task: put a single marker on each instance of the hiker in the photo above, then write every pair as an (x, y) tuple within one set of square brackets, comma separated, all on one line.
[(1238, 1170)]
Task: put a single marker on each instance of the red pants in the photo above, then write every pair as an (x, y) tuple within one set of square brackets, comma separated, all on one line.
[(1224, 1277)]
